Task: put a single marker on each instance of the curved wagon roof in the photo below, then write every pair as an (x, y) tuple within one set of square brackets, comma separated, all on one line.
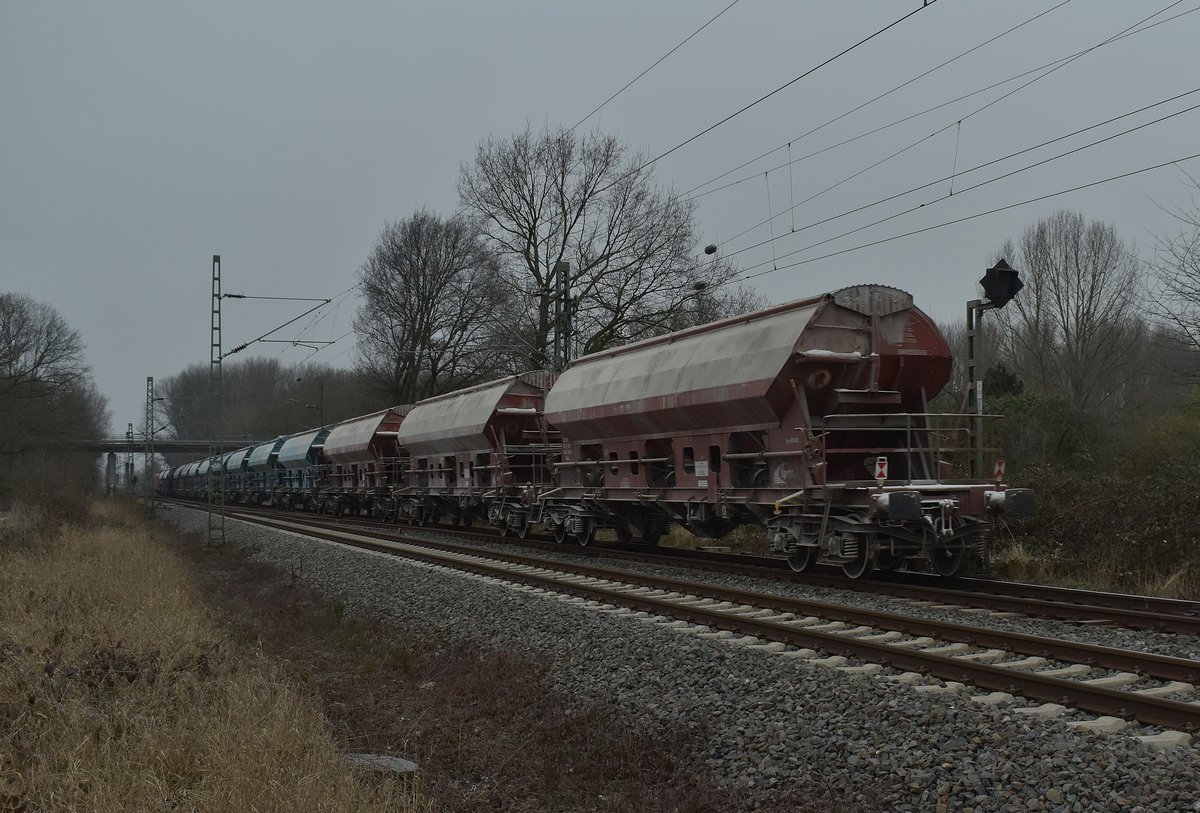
[(300, 451), (363, 439), (734, 373), (260, 455), (234, 460), (459, 421)]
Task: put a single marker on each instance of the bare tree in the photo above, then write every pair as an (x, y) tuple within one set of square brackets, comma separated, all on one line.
[(1074, 331), (264, 398), (431, 296), (556, 196), (952, 397), (46, 396), (39, 351), (1174, 295)]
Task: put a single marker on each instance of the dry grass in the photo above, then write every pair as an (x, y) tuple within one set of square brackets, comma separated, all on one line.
[(1099, 568), (747, 539), (1131, 529), (119, 691), (485, 725)]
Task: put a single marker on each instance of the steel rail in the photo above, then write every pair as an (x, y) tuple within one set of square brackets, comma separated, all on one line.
[(1152, 665), (1133, 612), (1097, 699), (1069, 595), (1025, 599), (883, 581)]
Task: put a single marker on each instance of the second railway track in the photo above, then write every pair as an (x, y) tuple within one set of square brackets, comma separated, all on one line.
[(1039, 601), (1106, 681)]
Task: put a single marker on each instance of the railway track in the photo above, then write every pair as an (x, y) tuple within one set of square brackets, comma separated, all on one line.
[(1040, 601), (935, 656)]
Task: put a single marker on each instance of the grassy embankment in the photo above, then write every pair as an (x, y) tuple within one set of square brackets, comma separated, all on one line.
[(1135, 530), (140, 670), (120, 690)]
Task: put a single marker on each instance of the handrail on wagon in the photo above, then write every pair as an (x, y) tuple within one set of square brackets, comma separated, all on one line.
[(914, 423), (582, 463)]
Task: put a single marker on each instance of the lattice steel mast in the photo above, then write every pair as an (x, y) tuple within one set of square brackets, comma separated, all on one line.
[(216, 479), (149, 473)]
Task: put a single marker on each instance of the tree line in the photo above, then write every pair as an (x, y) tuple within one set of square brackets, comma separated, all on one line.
[(1095, 367), (47, 396), (1099, 346)]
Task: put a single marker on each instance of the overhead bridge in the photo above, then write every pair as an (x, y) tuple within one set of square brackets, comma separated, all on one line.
[(161, 445)]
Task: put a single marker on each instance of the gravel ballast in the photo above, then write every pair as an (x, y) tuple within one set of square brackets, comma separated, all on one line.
[(764, 723), (1175, 645)]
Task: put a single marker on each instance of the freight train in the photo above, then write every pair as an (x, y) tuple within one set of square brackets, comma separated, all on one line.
[(810, 419)]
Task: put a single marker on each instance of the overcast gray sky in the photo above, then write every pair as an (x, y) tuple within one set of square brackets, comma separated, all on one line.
[(139, 139)]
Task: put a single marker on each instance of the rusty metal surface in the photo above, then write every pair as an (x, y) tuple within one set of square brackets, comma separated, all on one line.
[(784, 367), (459, 421), (357, 440), (702, 378)]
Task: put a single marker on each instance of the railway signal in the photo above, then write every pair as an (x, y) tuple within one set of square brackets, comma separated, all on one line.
[(1000, 283)]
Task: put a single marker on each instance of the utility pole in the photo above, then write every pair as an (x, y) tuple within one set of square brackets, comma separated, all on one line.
[(216, 479), (562, 315), (129, 459), (975, 309), (150, 441)]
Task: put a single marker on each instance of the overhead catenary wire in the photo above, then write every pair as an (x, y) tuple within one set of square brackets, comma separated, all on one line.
[(954, 166), (792, 188), (321, 349), (980, 109), (322, 313), (976, 111), (873, 131), (994, 161), (767, 181), (239, 348), (896, 122), (883, 95), (784, 86), (975, 216), (656, 63)]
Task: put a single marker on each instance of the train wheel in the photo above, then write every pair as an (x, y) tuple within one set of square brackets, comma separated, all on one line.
[(651, 538), (801, 559), (560, 532), (948, 559), (624, 536), (523, 528), (863, 562), (503, 527), (588, 533), (420, 517)]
